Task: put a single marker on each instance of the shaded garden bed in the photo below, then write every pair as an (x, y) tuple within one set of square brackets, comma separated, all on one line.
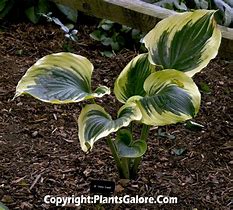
[(40, 153)]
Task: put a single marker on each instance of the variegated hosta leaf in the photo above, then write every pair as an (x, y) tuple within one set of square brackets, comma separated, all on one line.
[(134, 150), (3, 207), (131, 79), (186, 42), (127, 148), (60, 78), (95, 123), (171, 97), (124, 134)]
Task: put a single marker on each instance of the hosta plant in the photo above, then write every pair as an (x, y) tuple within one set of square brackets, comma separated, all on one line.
[(180, 46)]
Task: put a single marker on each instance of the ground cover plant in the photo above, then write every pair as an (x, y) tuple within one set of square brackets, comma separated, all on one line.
[(116, 37), (156, 88)]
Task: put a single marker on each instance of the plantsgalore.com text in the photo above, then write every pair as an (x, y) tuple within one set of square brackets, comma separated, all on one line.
[(78, 200)]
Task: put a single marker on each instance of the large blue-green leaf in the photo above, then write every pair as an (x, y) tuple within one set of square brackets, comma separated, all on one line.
[(33, 13), (95, 123), (131, 79), (60, 78), (186, 42), (226, 8), (172, 97), (70, 13)]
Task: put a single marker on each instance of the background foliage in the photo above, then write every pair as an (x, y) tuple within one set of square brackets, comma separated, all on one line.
[(116, 36), (224, 15), (32, 9)]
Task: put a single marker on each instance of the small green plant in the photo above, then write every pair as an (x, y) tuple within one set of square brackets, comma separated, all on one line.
[(69, 30), (115, 36), (205, 87), (181, 46)]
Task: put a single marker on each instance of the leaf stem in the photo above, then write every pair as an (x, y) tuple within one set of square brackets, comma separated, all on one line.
[(137, 161), (131, 127), (125, 167), (145, 132), (122, 169)]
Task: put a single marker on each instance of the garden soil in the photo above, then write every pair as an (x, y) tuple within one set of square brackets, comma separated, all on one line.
[(39, 149)]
